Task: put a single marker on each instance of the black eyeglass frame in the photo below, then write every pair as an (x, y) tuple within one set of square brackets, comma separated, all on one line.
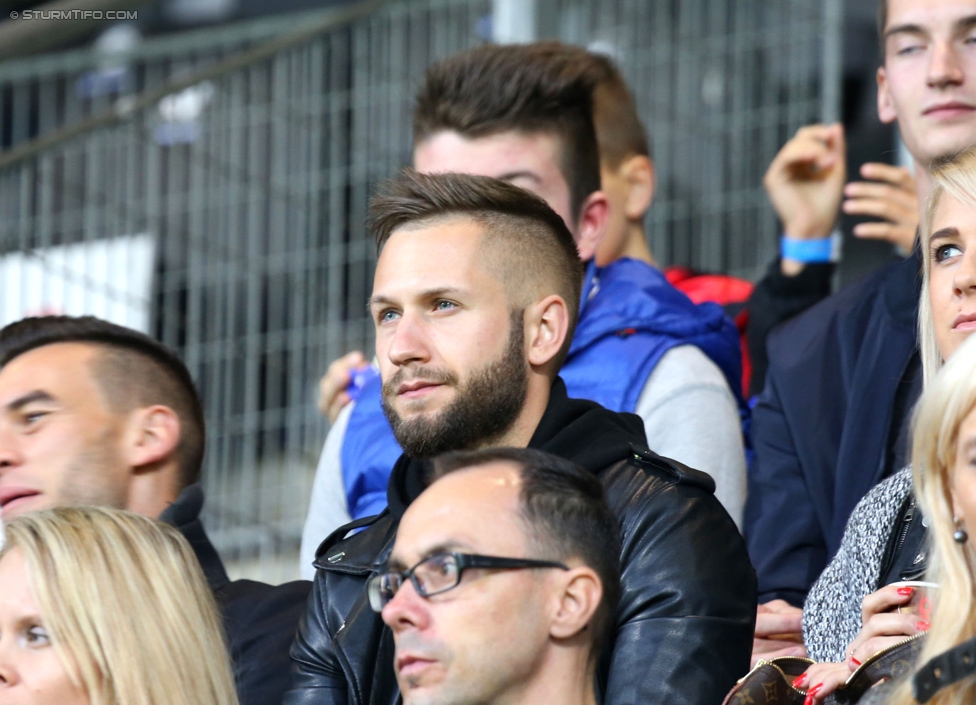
[(463, 561)]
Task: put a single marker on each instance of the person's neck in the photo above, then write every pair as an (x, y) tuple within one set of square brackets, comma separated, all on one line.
[(565, 680), (152, 491), (923, 184), (636, 246), (522, 429)]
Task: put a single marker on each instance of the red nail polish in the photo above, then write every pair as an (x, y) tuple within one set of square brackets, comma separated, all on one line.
[(810, 693), (922, 625), (855, 661), (799, 680), (906, 591)]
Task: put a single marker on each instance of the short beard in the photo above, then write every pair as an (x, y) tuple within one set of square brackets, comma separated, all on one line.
[(483, 409)]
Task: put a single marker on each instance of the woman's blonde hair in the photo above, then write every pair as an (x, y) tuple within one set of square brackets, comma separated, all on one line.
[(948, 400), (957, 179), (126, 605)]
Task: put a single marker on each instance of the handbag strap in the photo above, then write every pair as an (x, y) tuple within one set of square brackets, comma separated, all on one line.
[(945, 669)]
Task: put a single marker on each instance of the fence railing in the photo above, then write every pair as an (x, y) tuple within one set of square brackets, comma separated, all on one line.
[(210, 188)]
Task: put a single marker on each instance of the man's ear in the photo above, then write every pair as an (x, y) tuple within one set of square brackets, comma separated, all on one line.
[(578, 600), (886, 109), (546, 327), (152, 436), (592, 224), (638, 170)]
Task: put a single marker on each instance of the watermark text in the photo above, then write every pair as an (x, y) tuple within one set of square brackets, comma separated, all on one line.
[(75, 15)]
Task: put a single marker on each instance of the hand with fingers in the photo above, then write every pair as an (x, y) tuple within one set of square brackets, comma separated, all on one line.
[(884, 626), (887, 194), (805, 183), (779, 631), (332, 387), (820, 680)]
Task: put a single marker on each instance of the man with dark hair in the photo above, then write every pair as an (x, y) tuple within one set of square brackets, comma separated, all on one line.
[(94, 413), (469, 336), (524, 114), (834, 417), (529, 549)]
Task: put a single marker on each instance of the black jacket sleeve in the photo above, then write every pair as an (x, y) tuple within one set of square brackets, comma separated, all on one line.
[(260, 621), (343, 653), (778, 298), (316, 676), (688, 607)]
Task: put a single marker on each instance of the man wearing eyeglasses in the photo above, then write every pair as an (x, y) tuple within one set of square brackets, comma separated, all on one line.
[(502, 582), (475, 297)]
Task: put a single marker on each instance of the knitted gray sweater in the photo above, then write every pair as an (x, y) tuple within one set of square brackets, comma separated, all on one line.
[(832, 612)]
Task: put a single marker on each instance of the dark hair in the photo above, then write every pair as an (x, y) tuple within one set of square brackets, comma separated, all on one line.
[(528, 240), (882, 23), (566, 516), (525, 88), (620, 134), (132, 370)]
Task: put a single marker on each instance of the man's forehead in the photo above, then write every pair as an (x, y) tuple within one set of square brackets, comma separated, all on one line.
[(444, 252), (54, 363), (477, 508), (926, 14), (501, 155), (54, 356)]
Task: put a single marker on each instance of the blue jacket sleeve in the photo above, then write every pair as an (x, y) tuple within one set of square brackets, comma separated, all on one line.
[(784, 536)]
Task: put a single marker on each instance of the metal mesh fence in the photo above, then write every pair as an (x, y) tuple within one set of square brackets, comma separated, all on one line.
[(213, 194)]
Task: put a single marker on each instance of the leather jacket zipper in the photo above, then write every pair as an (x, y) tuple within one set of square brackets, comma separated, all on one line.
[(895, 550)]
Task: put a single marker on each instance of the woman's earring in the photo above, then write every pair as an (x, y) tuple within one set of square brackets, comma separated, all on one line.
[(960, 535)]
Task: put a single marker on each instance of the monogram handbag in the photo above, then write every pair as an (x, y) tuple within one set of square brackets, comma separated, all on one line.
[(771, 682)]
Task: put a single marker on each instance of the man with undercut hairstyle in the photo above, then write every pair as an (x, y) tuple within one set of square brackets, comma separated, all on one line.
[(528, 550), (524, 114), (475, 299), (92, 413)]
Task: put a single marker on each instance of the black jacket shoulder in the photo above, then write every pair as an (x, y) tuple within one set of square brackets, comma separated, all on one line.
[(684, 624)]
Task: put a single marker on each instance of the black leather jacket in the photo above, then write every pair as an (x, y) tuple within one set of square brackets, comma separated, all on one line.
[(685, 620)]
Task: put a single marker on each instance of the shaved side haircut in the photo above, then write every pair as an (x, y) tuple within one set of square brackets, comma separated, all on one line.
[(527, 245), (131, 369), (565, 514), (515, 88)]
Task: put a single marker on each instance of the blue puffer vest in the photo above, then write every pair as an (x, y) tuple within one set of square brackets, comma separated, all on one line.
[(629, 318)]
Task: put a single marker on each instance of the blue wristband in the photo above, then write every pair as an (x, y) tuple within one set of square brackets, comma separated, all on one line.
[(807, 251)]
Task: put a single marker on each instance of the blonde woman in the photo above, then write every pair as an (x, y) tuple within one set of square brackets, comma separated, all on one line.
[(944, 456), (106, 607), (851, 612)]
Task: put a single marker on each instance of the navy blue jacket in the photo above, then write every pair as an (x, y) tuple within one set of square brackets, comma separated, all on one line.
[(630, 316), (821, 426)]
